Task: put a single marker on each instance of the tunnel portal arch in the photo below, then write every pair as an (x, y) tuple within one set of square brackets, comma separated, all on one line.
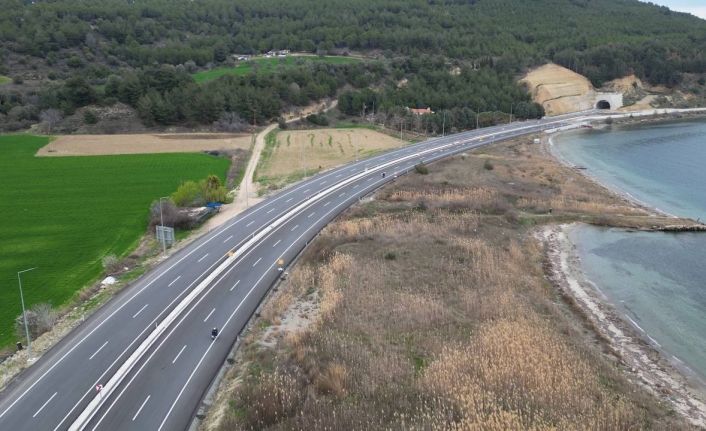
[(603, 104)]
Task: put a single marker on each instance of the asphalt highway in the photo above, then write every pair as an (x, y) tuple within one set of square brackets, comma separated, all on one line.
[(162, 387)]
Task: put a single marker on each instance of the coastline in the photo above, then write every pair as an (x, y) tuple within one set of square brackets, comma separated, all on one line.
[(645, 363), (551, 149), (660, 372)]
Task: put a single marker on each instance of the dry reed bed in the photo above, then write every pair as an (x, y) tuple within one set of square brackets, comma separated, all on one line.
[(435, 314)]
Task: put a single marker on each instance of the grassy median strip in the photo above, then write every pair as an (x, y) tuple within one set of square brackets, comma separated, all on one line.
[(63, 215)]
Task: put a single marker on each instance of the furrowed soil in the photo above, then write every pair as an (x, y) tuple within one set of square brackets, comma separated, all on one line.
[(298, 153), (95, 145), (428, 307)]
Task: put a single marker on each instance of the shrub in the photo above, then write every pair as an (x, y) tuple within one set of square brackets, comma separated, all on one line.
[(188, 194), (421, 169), (89, 117), (111, 263), (390, 255), (171, 216), (318, 119), (488, 166), (40, 319)]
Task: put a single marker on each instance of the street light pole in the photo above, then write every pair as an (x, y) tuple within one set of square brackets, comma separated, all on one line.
[(161, 224), (443, 125), (24, 313)]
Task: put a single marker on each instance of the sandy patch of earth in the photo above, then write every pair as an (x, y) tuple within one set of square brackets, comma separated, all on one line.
[(559, 89), (96, 145)]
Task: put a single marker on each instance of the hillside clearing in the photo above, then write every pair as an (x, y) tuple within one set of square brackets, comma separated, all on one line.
[(96, 145), (268, 65), (64, 214), (5, 79), (292, 154)]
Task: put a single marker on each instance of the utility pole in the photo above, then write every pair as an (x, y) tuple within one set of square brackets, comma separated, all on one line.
[(24, 313)]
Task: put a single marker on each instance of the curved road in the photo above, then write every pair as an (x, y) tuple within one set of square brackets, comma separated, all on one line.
[(150, 346)]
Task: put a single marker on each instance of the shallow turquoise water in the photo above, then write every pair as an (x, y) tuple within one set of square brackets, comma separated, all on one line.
[(663, 165), (658, 280)]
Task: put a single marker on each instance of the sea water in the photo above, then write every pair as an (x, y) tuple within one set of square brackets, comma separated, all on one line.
[(658, 280), (662, 165)]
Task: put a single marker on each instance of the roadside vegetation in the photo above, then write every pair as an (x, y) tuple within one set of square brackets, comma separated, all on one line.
[(5, 80), (268, 65), (428, 308), (63, 215)]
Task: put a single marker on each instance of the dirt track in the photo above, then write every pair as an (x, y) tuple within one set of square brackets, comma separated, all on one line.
[(96, 145)]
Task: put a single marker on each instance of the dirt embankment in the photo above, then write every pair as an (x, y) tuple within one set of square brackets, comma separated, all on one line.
[(427, 307), (559, 89)]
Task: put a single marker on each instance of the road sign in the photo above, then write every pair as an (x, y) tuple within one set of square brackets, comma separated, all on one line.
[(166, 233)]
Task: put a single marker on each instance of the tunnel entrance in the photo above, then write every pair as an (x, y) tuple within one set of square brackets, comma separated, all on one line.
[(603, 104)]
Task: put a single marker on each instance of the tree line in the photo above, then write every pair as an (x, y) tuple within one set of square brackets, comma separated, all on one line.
[(100, 35)]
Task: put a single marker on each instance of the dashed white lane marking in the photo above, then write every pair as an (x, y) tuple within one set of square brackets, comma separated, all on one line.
[(294, 228), (306, 190), (174, 281), (310, 215), (271, 209), (209, 315), (227, 239), (356, 186), (339, 175), (44, 405), (141, 407), (342, 194), (96, 352), (257, 261), (326, 204), (322, 182), (275, 244), (288, 200), (202, 258), (247, 225), (235, 285), (139, 311), (178, 354)]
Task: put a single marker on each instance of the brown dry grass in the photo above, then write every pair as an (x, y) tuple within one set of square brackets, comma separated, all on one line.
[(314, 150), (435, 314), (95, 145)]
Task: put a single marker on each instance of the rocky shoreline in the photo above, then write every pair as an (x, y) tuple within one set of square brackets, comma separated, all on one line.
[(643, 362)]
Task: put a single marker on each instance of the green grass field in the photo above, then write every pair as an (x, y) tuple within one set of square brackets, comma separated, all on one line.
[(63, 214), (5, 79), (267, 65)]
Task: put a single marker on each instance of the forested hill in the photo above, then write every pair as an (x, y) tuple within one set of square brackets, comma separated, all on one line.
[(72, 53), (600, 38)]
